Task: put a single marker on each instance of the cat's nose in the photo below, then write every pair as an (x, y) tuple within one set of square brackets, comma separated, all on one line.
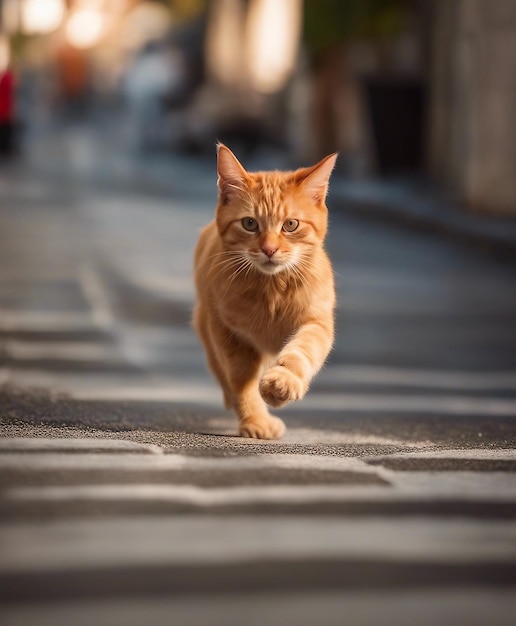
[(269, 250)]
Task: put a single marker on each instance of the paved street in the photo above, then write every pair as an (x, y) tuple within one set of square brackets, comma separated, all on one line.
[(125, 497)]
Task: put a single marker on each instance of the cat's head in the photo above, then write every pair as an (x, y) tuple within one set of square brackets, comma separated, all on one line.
[(272, 221)]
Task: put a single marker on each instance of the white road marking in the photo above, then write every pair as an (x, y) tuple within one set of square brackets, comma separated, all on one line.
[(45, 321), (38, 461), (183, 391), (452, 453), (205, 392), (5, 376), (42, 444), (438, 404), (33, 190), (317, 401), (227, 426), (407, 485), (424, 607), (42, 458), (96, 296), (61, 350), (435, 379), (404, 487), (150, 541)]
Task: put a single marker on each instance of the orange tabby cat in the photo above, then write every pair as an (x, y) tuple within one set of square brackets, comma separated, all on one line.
[(265, 289)]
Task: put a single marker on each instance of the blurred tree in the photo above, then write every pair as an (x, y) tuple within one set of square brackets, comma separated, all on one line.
[(330, 28), (187, 9), (329, 23)]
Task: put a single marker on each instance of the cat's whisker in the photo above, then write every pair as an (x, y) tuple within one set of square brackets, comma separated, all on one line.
[(234, 259), (249, 268), (227, 256), (301, 267), (304, 260), (225, 253), (297, 272), (214, 269), (244, 264), (227, 263), (233, 278)]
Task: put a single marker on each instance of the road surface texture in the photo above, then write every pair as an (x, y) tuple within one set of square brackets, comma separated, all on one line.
[(125, 497)]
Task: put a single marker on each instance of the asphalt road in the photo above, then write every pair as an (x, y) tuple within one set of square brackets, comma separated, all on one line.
[(125, 496)]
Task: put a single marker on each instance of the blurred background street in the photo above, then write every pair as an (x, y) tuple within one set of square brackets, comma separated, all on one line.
[(125, 496)]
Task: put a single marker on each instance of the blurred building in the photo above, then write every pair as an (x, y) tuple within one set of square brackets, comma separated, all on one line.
[(472, 138)]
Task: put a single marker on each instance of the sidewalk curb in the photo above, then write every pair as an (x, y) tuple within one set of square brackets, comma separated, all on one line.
[(396, 204)]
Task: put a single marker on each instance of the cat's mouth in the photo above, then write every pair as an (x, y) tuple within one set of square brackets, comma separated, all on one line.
[(270, 266)]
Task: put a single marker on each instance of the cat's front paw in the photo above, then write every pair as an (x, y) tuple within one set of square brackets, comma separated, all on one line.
[(279, 386), (264, 428)]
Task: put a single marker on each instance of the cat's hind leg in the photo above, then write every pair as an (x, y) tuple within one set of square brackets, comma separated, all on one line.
[(243, 368), (237, 367), (202, 326)]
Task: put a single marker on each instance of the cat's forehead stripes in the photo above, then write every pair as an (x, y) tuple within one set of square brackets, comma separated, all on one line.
[(268, 193)]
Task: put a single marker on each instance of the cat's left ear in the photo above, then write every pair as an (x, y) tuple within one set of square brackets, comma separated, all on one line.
[(232, 176), (315, 179)]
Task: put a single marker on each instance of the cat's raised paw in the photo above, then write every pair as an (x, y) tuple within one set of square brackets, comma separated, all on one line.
[(280, 386), (270, 428)]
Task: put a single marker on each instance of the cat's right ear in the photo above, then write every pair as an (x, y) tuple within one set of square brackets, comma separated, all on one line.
[(315, 179), (232, 176)]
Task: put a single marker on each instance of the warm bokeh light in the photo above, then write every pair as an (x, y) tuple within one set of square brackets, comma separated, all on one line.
[(273, 38), (146, 22), (85, 28), (10, 16), (41, 16), (4, 53), (224, 42)]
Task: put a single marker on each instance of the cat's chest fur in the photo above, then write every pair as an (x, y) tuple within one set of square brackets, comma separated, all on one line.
[(262, 314)]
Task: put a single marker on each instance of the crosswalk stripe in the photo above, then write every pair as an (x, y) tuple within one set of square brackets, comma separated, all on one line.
[(73, 544), (508, 454), (62, 350), (86, 444), (423, 378), (130, 460), (4, 376), (361, 479), (22, 319), (96, 296), (434, 404), (471, 606), (200, 393), (204, 392), (405, 489), (125, 456)]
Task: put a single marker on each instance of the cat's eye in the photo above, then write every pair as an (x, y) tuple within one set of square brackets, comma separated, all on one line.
[(250, 224), (290, 226)]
